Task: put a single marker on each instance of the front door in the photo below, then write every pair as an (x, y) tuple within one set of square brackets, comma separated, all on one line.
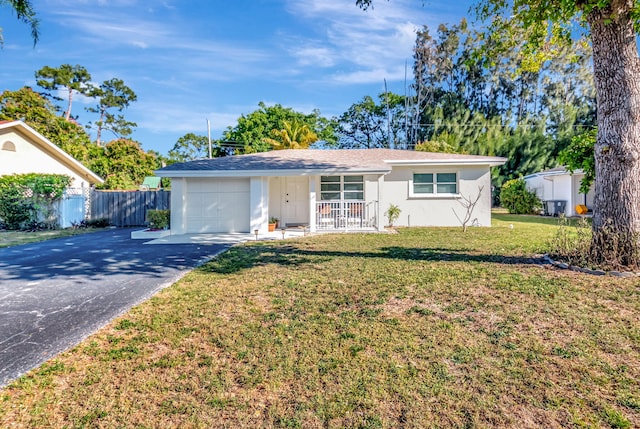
[(295, 201)]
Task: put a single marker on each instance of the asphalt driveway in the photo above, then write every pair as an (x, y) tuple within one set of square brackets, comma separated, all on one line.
[(55, 293)]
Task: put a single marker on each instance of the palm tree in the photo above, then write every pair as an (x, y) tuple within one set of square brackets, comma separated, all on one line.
[(25, 13), (293, 135)]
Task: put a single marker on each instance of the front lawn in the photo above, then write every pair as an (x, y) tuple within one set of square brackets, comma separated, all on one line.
[(425, 328)]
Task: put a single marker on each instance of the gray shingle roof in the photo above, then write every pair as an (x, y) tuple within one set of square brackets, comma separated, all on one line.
[(316, 160)]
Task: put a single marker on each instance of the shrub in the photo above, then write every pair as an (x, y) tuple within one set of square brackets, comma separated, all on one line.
[(392, 213), (572, 244), (579, 245), (15, 209), (101, 222), (159, 219), (515, 197), (28, 199)]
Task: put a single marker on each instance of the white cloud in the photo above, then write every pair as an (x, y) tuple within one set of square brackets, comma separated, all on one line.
[(314, 55), (115, 28), (367, 44), (370, 45), (370, 75), (181, 61), (166, 117), (148, 43)]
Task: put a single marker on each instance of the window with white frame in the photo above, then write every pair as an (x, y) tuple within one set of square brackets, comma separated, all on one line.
[(425, 184), (335, 188)]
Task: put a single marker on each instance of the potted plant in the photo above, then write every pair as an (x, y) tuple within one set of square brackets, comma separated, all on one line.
[(273, 223)]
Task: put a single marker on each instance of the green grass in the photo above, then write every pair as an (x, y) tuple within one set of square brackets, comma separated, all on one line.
[(430, 327), (14, 238)]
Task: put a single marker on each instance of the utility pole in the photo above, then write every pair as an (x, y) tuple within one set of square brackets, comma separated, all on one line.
[(209, 137), (386, 96)]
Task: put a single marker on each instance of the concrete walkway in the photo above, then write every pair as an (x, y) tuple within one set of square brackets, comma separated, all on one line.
[(218, 238)]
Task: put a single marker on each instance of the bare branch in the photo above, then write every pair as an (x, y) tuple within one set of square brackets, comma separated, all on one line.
[(469, 204)]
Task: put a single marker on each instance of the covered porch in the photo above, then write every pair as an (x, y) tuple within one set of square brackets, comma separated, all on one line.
[(325, 203), (346, 215)]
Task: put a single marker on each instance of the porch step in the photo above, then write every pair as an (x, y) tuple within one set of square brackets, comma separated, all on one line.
[(297, 225)]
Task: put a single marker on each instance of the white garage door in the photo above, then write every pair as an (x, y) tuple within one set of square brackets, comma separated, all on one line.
[(217, 205)]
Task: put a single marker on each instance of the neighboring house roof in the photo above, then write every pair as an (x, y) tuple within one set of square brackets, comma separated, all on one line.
[(317, 161), (51, 149), (151, 182), (557, 171)]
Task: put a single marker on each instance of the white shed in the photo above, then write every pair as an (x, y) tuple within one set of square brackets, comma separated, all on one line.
[(558, 184)]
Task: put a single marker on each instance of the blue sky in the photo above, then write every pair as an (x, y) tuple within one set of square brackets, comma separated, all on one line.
[(189, 61)]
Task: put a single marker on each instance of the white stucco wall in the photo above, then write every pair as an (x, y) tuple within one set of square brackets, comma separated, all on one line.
[(541, 185), (564, 187), (265, 197), (580, 198), (275, 196), (567, 187), (437, 210), (259, 204), (178, 206), (371, 188), (28, 158)]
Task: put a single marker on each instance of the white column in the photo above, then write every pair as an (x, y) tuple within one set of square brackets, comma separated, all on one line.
[(312, 203), (380, 214), (178, 206), (259, 204)]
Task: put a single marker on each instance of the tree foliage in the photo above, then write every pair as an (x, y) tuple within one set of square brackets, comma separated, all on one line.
[(496, 107), (192, 146), (253, 130), (464, 102), (435, 146), (515, 197), (579, 155), (123, 164), (71, 78), (26, 199), (294, 135), (370, 124), (112, 95), (40, 114)]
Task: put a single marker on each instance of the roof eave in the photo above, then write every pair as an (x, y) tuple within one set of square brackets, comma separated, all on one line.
[(493, 162), (550, 174), (267, 173)]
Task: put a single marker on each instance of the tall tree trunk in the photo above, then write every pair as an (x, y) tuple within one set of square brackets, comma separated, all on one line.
[(100, 123), (616, 213), (67, 114)]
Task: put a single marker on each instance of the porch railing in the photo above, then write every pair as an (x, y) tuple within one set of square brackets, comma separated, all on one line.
[(346, 215)]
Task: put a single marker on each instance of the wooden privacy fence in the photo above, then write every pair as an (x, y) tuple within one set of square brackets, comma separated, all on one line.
[(123, 208)]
